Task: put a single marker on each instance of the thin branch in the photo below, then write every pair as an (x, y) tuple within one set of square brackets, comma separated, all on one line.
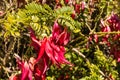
[(114, 32), (80, 54), (88, 27)]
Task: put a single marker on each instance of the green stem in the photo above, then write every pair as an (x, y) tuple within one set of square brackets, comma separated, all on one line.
[(114, 32), (88, 27)]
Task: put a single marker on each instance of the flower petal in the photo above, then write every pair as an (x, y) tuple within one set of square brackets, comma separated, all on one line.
[(49, 51), (63, 38), (42, 49), (35, 43), (25, 71), (56, 30)]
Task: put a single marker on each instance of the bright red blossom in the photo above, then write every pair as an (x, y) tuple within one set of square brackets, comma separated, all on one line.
[(48, 50), (26, 73), (79, 7), (73, 15), (55, 45), (66, 1)]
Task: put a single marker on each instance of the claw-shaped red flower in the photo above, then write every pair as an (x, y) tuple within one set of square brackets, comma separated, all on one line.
[(26, 73), (49, 50), (55, 45)]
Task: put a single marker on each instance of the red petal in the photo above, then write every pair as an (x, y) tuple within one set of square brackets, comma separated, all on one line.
[(55, 47), (49, 51), (25, 71), (46, 60), (56, 30), (35, 43), (30, 75), (57, 58), (42, 49), (77, 8), (66, 1), (63, 38)]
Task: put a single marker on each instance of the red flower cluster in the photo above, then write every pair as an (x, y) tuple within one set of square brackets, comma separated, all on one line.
[(26, 73), (77, 8), (67, 1), (55, 45), (113, 25), (50, 51)]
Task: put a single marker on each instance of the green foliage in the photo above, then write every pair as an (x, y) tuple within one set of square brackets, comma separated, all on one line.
[(10, 26), (92, 60), (41, 18)]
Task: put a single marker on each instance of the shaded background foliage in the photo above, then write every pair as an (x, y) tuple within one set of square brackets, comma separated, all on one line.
[(91, 59)]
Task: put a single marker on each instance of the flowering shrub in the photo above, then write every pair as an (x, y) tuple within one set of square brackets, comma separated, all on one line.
[(59, 40), (113, 25)]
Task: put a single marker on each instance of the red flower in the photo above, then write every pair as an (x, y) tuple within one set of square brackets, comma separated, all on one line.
[(73, 15), (49, 50), (60, 36), (113, 18), (113, 25), (77, 8), (55, 45), (114, 22), (66, 1), (40, 68), (26, 73), (41, 50), (35, 42), (41, 62)]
